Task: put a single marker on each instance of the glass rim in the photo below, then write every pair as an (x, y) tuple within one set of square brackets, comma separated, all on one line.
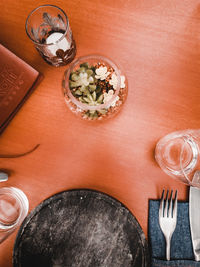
[(33, 11), (20, 196), (89, 57), (158, 155), (188, 138), (190, 169)]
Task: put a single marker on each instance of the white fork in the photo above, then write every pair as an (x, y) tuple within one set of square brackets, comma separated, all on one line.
[(168, 218)]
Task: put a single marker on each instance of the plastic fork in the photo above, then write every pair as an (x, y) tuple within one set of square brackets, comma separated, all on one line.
[(168, 218)]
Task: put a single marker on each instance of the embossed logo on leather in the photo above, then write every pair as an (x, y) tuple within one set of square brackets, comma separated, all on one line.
[(10, 82)]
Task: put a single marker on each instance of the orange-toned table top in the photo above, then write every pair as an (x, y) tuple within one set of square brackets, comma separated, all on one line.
[(156, 44)]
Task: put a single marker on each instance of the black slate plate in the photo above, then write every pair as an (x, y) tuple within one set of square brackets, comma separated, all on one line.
[(80, 228)]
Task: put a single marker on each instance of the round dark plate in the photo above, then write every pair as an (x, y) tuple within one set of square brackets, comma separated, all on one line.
[(80, 228)]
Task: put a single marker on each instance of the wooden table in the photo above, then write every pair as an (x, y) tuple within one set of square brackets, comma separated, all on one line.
[(156, 44)]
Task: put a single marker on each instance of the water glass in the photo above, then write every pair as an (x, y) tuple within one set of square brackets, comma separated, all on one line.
[(14, 207), (178, 155), (48, 28)]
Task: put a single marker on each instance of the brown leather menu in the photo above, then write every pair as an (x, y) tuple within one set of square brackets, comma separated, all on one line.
[(17, 81)]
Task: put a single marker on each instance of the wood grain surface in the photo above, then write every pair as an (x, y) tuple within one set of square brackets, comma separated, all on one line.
[(156, 44)]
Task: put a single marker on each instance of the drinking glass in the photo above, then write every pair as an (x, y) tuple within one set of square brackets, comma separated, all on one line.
[(14, 207), (48, 28), (178, 155)]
